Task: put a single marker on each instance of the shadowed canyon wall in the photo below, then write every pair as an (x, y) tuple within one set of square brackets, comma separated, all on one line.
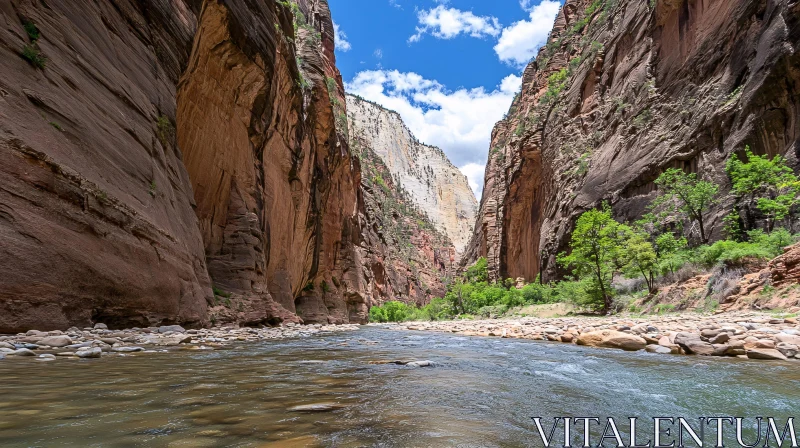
[(174, 162), (624, 90)]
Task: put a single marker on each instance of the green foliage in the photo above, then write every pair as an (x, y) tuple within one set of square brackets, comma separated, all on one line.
[(152, 188), (34, 56), (391, 312), (32, 30), (684, 197), (324, 286), (760, 245), (768, 183), (597, 254), (220, 293), (165, 130), (555, 85), (56, 126)]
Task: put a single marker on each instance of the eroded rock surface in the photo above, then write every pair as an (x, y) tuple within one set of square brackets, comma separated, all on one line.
[(437, 187), (623, 90), (174, 157)]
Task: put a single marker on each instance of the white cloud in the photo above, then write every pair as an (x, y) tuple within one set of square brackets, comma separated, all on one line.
[(519, 42), (378, 53), (447, 23), (474, 173), (340, 38), (460, 122)]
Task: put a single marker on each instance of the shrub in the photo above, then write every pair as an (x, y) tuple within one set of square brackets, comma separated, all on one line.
[(34, 56)]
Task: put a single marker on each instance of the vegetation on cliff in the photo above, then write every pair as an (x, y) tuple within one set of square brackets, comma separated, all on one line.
[(606, 256)]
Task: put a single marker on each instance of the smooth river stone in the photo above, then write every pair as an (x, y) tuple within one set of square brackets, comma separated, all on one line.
[(316, 407)]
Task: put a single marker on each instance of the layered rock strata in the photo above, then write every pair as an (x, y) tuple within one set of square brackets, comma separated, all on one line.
[(174, 162), (434, 185), (623, 90)]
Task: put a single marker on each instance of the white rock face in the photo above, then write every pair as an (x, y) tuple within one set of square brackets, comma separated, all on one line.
[(436, 186)]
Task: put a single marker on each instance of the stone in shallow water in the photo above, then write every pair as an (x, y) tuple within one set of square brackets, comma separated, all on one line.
[(127, 349), (765, 353), (316, 407), (653, 348), (89, 353), (22, 352)]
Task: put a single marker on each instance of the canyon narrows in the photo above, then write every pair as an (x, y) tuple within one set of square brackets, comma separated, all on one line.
[(188, 162)]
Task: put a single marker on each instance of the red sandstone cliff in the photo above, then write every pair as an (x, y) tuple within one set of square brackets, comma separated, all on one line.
[(167, 146), (623, 90)]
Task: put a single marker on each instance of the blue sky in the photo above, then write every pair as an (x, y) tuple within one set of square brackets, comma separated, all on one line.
[(449, 67)]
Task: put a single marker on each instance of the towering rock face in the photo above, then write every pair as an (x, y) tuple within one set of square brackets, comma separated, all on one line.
[(165, 147), (623, 90), (437, 187), (408, 259)]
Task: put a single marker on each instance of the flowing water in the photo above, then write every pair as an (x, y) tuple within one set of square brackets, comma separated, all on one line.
[(482, 392)]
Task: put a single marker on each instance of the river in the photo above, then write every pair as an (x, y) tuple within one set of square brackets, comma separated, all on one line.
[(482, 392)]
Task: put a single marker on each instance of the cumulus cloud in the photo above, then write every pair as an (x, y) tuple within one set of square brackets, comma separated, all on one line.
[(460, 122), (474, 173), (447, 23), (340, 38), (519, 42)]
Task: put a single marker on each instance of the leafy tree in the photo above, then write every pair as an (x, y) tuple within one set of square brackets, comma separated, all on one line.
[(684, 196), (597, 253), (769, 183), (652, 255)]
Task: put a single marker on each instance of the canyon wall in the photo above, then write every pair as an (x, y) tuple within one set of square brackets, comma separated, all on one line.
[(175, 161), (409, 257), (623, 90), (437, 187)]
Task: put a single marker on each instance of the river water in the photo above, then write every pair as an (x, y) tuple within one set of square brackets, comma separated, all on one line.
[(482, 392)]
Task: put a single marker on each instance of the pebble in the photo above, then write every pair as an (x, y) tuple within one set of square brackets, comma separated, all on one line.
[(22, 352)]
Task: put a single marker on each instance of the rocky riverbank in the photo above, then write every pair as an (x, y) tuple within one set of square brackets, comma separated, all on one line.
[(737, 334), (99, 341)]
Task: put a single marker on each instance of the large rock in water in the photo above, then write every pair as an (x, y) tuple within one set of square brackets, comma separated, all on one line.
[(642, 86), (612, 339), (168, 145)]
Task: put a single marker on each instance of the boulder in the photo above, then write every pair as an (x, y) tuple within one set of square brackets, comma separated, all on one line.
[(92, 352), (100, 326), (172, 328), (654, 348), (22, 352), (612, 339), (56, 341), (765, 353), (720, 338), (693, 345), (788, 338), (788, 350)]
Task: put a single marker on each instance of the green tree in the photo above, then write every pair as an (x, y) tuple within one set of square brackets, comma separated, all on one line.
[(597, 253), (684, 196), (768, 183)]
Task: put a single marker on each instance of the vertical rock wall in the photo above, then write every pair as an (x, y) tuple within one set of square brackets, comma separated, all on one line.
[(174, 162), (624, 90)]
